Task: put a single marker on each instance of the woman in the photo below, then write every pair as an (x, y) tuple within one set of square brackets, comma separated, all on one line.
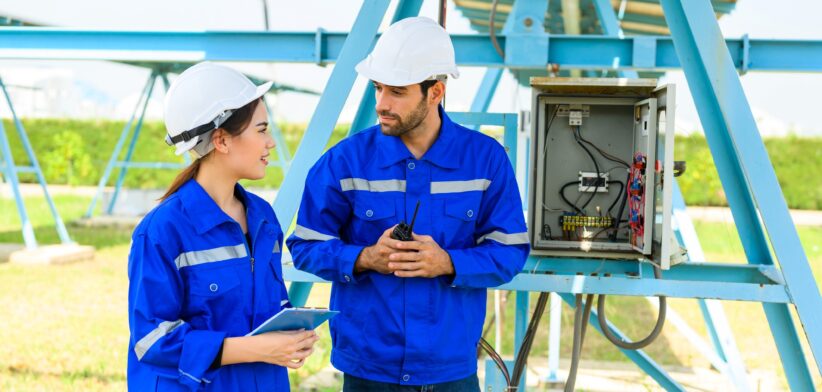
[(204, 268)]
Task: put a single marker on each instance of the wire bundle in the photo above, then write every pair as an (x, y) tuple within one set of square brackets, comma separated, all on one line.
[(636, 199)]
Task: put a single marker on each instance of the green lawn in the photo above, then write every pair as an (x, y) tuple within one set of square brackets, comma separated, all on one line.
[(65, 327)]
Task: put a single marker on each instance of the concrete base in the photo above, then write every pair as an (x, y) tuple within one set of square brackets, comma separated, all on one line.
[(328, 378), (53, 254), (7, 249), (109, 221)]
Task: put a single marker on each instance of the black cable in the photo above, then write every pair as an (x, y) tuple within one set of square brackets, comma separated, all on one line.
[(442, 12), (577, 209), (528, 340), (492, 28), (636, 345), (621, 189), (565, 199), (581, 316), (493, 354), (265, 14), (596, 166), (546, 232), (497, 360), (603, 153), (618, 219)]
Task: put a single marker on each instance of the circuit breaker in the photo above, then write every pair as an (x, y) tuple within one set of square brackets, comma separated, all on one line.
[(601, 162)]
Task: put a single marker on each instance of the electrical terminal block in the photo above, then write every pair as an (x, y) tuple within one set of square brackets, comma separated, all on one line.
[(573, 222)]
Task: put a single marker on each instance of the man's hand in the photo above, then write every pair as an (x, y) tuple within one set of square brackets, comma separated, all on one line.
[(426, 259), (375, 257)]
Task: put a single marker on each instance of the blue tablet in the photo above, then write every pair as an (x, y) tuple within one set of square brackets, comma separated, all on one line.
[(290, 319)]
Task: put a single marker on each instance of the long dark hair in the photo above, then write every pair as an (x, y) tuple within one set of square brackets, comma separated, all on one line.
[(234, 126)]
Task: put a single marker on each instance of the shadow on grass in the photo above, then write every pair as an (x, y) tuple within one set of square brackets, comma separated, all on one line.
[(71, 375), (98, 237)]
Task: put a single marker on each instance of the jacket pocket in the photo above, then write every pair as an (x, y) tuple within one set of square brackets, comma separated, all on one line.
[(460, 221), (372, 216)]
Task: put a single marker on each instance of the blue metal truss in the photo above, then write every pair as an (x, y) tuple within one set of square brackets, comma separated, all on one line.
[(572, 52), (363, 33), (726, 357), (711, 64), (749, 181), (9, 171), (761, 283)]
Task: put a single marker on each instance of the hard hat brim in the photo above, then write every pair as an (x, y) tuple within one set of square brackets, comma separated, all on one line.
[(365, 70)]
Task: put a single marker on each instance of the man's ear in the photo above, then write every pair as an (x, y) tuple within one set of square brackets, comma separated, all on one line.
[(220, 138), (436, 92)]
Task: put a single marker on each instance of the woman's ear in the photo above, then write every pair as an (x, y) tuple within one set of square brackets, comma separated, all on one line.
[(221, 140)]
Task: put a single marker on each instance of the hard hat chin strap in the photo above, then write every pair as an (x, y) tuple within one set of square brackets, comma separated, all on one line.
[(197, 131)]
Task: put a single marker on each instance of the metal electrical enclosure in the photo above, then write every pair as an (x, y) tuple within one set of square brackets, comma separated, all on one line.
[(602, 159)]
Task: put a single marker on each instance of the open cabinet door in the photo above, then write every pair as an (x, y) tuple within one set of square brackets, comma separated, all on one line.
[(664, 241), (641, 186)]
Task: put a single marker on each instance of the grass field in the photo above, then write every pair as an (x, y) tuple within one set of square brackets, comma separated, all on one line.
[(76, 152), (65, 327)]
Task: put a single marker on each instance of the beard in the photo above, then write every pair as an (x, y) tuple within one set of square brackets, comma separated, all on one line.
[(404, 125)]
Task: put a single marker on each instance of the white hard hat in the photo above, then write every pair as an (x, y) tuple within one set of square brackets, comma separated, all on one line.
[(409, 52), (201, 99)]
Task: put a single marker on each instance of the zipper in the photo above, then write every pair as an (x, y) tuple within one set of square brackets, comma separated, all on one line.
[(253, 235)]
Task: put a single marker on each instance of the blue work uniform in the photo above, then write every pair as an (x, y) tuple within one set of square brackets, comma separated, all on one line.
[(193, 281), (411, 331)]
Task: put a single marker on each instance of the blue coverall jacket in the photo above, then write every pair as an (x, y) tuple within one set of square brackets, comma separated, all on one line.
[(193, 281), (411, 331)]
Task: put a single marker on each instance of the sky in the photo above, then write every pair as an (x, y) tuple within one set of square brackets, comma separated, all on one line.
[(781, 102)]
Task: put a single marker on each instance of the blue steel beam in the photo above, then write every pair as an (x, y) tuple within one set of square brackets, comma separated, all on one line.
[(485, 92), (124, 165), (366, 113), (283, 155), (712, 311), (697, 272), (328, 110), (617, 285), (28, 233), (112, 162), (648, 287), (10, 173), (748, 179), (582, 52)]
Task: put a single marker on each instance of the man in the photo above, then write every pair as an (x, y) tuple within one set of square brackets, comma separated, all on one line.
[(411, 312)]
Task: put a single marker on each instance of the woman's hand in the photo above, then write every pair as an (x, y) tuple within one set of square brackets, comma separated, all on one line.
[(286, 348)]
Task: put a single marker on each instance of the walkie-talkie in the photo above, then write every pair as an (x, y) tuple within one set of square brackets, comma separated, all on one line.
[(402, 232)]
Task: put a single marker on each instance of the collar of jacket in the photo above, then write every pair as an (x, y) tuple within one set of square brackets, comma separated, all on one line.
[(391, 149), (206, 214)]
